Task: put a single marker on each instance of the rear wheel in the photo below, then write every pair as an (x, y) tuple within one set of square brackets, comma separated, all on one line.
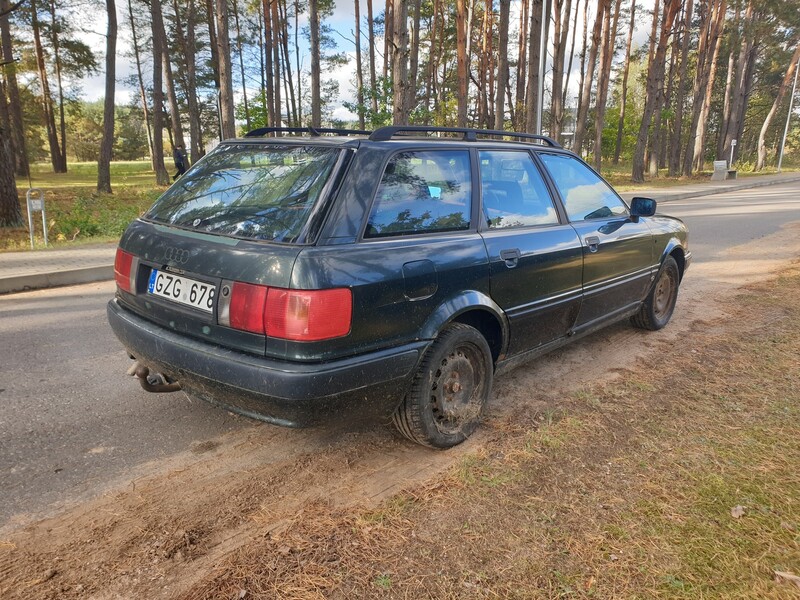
[(449, 391), (659, 305)]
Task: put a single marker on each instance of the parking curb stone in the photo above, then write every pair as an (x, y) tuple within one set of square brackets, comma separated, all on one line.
[(35, 281)]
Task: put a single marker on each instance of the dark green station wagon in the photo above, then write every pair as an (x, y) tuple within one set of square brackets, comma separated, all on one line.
[(387, 274)]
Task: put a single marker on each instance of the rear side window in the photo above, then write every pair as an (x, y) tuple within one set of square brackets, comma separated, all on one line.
[(255, 192), (585, 194), (422, 192), (514, 193)]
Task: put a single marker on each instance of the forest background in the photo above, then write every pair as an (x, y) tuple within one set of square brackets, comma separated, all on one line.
[(660, 87)]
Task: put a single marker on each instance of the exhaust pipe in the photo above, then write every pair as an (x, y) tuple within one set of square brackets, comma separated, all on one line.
[(155, 383)]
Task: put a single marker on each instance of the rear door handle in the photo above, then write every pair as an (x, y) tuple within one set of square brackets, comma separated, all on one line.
[(511, 256), (593, 243)]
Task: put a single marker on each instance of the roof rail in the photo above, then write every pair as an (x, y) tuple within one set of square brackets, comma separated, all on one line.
[(470, 135), (313, 131)]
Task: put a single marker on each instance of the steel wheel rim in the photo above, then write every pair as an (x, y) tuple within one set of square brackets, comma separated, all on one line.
[(457, 389), (664, 296)]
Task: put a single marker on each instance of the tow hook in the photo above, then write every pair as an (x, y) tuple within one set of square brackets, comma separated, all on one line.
[(156, 383)]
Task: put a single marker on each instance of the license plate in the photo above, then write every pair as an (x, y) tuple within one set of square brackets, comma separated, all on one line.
[(182, 290)]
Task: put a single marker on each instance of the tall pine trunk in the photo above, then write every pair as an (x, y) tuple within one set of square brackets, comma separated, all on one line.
[(606, 58), (461, 62), (288, 63), (276, 62), (107, 143), (47, 101), (142, 93), (762, 136), (225, 75), (359, 67), (400, 64), (187, 44), (502, 64), (583, 111), (561, 14), (15, 123), (240, 53), (316, 99), (373, 76), (62, 121), (534, 62), (10, 213), (653, 88), (162, 177), (623, 101), (736, 42), (413, 67), (522, 65), (172, 96), (712, 20), (740, 96), (676, 141)]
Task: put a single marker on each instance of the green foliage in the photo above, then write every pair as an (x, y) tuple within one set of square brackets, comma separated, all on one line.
[(383, 93), (90, 215), (85, 127), (78, 220)]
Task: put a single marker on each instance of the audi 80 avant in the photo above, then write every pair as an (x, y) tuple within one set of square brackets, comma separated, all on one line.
[(382, 274)]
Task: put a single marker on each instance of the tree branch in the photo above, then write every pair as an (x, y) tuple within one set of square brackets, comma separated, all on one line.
[(12, 8)]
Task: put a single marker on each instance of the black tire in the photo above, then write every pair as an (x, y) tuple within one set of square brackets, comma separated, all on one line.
[(659, 305), (450, 390)]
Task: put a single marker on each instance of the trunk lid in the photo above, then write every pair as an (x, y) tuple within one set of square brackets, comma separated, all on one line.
[(204, 260)]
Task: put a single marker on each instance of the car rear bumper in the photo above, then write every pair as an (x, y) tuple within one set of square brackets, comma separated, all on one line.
[(281, 392)]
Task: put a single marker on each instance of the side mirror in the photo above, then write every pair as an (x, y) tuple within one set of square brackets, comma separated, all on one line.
[(643, 207)]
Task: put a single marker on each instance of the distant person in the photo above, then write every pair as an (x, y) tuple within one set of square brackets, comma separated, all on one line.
[(179, 156)]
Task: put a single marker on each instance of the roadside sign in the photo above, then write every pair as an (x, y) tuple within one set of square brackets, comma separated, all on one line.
[(35, 197)]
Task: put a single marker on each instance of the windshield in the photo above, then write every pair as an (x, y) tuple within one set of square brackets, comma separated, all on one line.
[(254, 192)]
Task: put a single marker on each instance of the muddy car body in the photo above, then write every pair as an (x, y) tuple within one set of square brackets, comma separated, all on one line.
[(295, 279)]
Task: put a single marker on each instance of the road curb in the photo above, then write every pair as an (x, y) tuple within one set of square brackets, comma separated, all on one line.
[(672, 197), (36, 281)]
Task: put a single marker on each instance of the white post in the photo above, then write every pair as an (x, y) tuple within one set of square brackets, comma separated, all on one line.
[(788, 116), (733, 145), (35, 199)]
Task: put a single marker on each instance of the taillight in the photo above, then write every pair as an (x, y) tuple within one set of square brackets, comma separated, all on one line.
[(247, 307), (123, 273), (301, 315), (309, 315)]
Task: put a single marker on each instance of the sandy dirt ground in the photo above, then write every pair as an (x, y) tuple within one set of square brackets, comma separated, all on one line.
[(155, 534)]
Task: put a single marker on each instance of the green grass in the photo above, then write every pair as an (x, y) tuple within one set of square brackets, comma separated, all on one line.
[(76, 213), (123, 173), (625, 492)]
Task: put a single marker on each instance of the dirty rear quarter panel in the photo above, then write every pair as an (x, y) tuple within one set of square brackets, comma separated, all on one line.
[(396, 283)]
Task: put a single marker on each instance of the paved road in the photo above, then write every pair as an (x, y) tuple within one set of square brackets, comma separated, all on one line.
[(71, 423), (70, 420)]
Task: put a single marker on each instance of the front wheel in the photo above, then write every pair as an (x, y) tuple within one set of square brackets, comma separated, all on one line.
[(450, 389), (659, 305)]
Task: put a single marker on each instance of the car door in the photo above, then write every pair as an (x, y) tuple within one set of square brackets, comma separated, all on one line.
[(419, 247), (617, 250), (535, 259)]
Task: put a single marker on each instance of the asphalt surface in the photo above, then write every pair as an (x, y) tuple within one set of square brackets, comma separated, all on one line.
[(72, 423)]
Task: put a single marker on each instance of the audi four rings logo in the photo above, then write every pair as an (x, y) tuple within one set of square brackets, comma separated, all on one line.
[(176, 255)]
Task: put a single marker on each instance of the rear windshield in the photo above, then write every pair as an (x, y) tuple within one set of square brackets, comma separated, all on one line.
[(254, 192)]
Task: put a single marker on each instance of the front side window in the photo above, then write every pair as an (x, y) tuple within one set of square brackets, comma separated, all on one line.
[(422, 192), (585, 194), (514, 193), (247, 191)]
